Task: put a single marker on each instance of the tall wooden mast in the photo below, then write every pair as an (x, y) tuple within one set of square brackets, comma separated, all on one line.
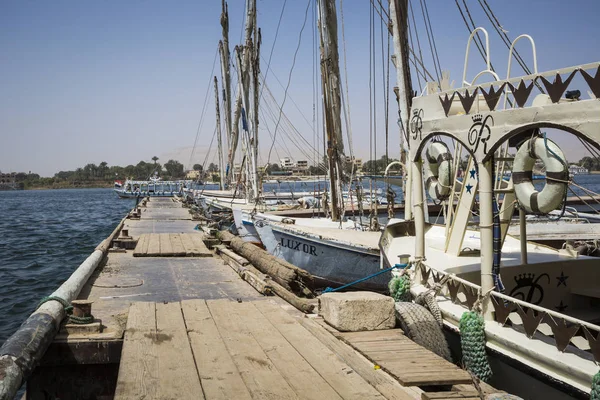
[(219, 140), (226, 78), (330, 77), (399, 17)]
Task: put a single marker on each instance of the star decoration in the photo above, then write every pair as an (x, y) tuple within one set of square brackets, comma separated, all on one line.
[(562, 279), (472, 172), (561, 307), (469, 187)]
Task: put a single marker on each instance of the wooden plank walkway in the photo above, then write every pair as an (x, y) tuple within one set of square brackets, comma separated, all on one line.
[(222, 349), (171, 245), (405, 360)]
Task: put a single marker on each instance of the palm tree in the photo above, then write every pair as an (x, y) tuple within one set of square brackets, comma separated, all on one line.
[(155, 159)]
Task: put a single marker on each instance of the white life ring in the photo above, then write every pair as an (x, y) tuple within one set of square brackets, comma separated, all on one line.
[(557, 176), (439, 171)]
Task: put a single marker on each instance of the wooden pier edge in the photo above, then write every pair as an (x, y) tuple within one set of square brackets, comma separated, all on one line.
[(22, 351)]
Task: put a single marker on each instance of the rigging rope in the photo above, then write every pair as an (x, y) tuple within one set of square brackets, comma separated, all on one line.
[(289, 78), (346, 97), (434, 55), (201, 122), (264, 78)]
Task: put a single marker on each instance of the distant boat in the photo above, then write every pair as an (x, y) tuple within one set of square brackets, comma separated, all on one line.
[(154, 187)]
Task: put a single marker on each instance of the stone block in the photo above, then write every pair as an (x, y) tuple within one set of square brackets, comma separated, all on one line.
[(357, 311)]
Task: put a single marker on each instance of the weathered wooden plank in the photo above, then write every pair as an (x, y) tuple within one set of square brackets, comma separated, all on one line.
[(176, 245), (219, 376), (141, 248), (450, 395), (387, 345), (178, 376), (304, 380), (373, 336), (153, 245), (352, 376), (261, 377), (165, 245), (194, 246), (138, 371), (486, 388), (411, 364)]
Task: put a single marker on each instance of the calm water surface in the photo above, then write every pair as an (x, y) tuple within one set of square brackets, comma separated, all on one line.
[(44, 236)]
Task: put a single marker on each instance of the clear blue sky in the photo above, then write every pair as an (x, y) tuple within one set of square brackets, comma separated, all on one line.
[(115, 81)]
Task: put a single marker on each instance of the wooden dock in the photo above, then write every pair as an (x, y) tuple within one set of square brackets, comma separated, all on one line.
[(179, 323), (222, 349)]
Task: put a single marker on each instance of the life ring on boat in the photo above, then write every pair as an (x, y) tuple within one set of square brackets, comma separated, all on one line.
[(557, 175), (439, 172)]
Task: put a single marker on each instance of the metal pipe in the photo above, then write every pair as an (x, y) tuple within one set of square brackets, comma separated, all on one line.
[(486, 232), (523, 235), (419, 214)]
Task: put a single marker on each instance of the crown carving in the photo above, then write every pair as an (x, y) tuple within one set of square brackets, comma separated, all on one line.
[(477, 118), (524, 279)]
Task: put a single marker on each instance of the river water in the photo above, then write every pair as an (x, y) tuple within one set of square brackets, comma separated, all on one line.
[(46, 234)]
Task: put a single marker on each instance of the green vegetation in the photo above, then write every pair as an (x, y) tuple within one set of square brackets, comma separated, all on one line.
[(377, 167), (102, 175), (591, 163)]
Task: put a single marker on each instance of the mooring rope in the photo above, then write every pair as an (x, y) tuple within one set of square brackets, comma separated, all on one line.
[(73, 319)]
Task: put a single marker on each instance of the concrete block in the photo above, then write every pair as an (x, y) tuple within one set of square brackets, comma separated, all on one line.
[(357, 311)]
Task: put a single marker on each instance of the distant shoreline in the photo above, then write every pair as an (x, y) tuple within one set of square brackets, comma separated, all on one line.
[(95, 185)]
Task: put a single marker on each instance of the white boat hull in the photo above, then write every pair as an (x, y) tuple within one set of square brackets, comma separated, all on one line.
[(332, 263)]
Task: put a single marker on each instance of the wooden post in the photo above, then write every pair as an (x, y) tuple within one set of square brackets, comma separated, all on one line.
[(486, 231), (330, 77), (419, 212), (399, 17), (219, 140), (225, 69)]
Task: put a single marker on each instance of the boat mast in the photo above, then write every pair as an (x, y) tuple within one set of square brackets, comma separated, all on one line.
[(219, 140), (330, 77), (399, 17), (249, 29), (226, 81)]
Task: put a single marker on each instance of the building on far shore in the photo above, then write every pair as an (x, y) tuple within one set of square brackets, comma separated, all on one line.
[(8, 181), (358, 163), (286, 163)]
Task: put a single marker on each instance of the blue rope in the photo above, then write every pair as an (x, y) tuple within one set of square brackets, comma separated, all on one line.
[(330, 290)]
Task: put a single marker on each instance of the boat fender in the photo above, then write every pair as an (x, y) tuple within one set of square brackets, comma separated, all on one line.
[(472, 342), (595, 393), (557, 175), (399, 288), (439, 171)]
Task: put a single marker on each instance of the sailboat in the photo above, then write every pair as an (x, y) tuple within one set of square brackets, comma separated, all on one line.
[(335, 250), (539, 304), (243, 192)]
